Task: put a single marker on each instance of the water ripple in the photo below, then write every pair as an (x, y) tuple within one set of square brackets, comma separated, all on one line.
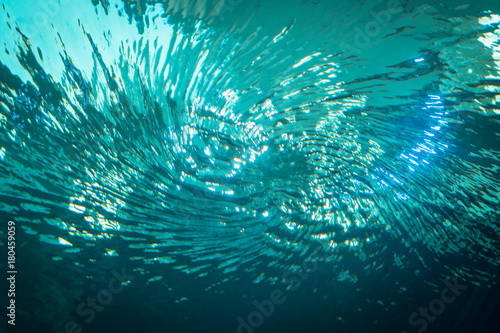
[(237, 142)]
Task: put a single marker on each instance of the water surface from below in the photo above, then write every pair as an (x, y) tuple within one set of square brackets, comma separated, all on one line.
[(216, 153)]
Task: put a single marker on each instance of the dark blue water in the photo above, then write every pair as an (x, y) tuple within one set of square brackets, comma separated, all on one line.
[(250, 166)]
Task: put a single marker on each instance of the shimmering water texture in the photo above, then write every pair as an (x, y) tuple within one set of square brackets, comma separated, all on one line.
[(236, 142)]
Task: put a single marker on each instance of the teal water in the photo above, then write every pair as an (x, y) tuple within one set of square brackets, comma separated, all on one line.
[(215, 149)]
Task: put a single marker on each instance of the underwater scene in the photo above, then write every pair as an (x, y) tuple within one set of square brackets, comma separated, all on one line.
[(250, 166)]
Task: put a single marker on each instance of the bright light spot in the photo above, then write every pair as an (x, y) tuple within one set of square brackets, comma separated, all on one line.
[(419, 60), (76, 208), (490, 20), (230, 95), (62, 241), (111, 253), (302, 61)]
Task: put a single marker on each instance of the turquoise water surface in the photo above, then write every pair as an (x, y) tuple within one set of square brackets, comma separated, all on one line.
[(251, 166)]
